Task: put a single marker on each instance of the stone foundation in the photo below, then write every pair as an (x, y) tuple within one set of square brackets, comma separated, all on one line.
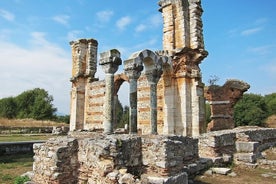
[(242, 145), (96, 158)]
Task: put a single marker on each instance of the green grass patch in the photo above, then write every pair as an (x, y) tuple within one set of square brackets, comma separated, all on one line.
[(24, 137), (12, 166)]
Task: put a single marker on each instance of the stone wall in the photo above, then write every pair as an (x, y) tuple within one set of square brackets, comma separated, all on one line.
[(222, 100), (241, 145), (97, 158)]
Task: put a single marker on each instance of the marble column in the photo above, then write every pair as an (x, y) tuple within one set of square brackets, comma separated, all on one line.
[(133, 72), (110, 61), (153, 77)]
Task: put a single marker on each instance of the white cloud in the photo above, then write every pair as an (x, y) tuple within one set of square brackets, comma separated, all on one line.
[(62, 19), (123, 22), (104, 16), (140, 28), (6, 15), (251, 31), (262, 50), (153, 21), (43, 65)]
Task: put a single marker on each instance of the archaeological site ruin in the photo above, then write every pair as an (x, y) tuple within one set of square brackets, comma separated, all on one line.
[(167, 140)]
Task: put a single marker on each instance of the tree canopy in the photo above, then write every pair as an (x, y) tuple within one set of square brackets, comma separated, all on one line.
[(253, 109), (35, 104)]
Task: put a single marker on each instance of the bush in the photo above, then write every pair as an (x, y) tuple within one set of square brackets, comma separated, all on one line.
[(21, 179)]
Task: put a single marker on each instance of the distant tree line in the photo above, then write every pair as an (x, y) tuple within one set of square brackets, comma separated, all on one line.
[(122, 115), (35, 104), (252, 109)]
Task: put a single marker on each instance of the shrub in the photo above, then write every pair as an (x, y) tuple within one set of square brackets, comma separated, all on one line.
[(21, 179)]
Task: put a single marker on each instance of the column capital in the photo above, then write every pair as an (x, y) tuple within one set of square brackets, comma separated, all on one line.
[(132, 69), (110, 60)]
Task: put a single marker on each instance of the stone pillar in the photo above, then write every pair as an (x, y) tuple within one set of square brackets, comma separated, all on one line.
[(84, 61), (133, 72), (115, 120), (182, 24), (153, 77), (222, 100), (110, 62)]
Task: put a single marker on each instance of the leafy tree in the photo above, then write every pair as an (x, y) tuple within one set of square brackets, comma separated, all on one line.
[(119, 113), (63, 119), (270, 101), (207, 112), (8, 108), (250, 110), (36, 103), (125, 117)]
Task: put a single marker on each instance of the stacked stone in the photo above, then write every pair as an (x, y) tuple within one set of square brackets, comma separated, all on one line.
[(108, 159), (168, 25), (165, 156), (196, 26), (250, 144), (84, 61), (243, 146), (219, 145), (56, 161), (222, 100), (95, 102)]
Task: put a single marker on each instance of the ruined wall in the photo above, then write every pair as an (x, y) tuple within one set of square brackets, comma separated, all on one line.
[(242, 145), (222, 100), (97, 158), (170, 86)]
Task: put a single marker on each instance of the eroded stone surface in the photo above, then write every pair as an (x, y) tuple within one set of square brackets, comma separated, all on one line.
[(222, 100)]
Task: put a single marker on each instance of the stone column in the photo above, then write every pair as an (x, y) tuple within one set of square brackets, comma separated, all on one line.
[(153, 77), (84, 62), (110, 62), (133, 72)]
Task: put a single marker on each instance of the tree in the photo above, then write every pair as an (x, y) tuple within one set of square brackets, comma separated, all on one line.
[(207, 112), (250, 110), (125, 117), (118, 113), (270, 101), (36, 104), (213, 80), (8, 108)]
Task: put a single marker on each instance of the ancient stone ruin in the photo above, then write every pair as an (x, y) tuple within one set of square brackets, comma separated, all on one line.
[(166, 143), (166, 90), (222, 100)]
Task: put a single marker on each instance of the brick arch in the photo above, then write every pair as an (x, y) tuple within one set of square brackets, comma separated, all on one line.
[(118, 81)]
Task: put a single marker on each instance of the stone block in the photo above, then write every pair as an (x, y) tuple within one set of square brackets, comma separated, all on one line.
[(219, 170), (247, 147), (245, 157), (178, 179)]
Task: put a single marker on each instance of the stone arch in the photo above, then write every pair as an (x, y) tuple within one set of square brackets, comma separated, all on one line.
[(146, 58), (119, 79)]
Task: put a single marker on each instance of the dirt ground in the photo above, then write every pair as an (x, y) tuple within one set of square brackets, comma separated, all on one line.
[(243, 176)]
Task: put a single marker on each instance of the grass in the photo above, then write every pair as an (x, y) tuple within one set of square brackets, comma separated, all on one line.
[(12, 166), (28, 123), (24, 137)]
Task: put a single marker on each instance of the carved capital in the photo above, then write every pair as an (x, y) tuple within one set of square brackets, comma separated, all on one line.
[(110, 61), (187, 60)]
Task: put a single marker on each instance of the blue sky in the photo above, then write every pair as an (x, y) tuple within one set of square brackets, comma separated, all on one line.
[(35, 34)]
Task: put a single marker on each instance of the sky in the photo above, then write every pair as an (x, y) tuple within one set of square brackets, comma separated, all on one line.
[(35, 34)]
